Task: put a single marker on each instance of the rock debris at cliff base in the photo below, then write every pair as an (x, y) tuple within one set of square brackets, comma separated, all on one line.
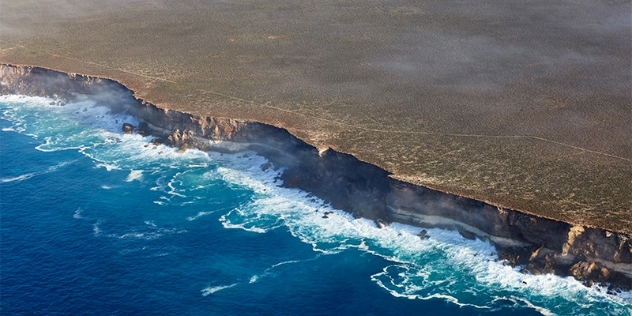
[(542, 245)]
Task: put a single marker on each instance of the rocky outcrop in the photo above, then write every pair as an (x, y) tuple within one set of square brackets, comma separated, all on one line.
[(128, 128), (539, 244)]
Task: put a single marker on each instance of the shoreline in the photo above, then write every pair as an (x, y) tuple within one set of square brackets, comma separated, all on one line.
[(542, 245)]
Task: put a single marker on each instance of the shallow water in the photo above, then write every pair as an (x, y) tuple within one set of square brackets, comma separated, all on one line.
[(97, 222)]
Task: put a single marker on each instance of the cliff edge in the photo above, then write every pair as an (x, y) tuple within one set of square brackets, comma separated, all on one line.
[(541, 245)]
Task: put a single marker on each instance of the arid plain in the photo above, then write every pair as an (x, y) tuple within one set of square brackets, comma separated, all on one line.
[(526, 105)]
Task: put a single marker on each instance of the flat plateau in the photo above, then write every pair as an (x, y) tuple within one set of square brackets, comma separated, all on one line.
[(525, 105)]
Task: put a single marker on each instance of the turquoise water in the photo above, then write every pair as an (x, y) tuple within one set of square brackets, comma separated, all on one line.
[(97, 222)]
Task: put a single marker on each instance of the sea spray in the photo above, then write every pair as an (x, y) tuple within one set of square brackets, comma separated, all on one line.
[(189, 189)]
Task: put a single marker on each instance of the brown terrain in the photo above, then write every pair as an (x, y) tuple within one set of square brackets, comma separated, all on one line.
[(525, 105)]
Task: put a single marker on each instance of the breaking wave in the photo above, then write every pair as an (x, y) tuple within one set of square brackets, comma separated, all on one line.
[(444, 266)]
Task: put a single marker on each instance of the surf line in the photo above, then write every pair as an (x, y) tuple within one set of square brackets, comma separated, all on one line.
[(541, 245)]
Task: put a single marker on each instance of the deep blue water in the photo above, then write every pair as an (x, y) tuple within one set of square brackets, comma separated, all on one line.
[(100, 223)]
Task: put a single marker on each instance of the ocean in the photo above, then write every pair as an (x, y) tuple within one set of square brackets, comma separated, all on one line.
[(96, 222)]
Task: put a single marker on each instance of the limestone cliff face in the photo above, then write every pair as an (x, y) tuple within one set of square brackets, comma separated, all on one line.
[(540, 245)]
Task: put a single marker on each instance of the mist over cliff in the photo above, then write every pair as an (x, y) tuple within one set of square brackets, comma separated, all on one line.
[(540, 245)]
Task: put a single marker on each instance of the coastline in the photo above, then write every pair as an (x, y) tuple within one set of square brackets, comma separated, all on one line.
[(542, 245)]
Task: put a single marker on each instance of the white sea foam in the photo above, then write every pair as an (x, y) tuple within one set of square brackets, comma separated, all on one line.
[(134, 175), (96, 229), (137, 235), (30, 175), (154, 233), (199, 214), (213, 289), (60, 165), (229, 225), (198, 165), (443, 267), (521, 301), (172, 189), (268, 271), (19, 178), (108, 167), (78, 213), (439, 267)]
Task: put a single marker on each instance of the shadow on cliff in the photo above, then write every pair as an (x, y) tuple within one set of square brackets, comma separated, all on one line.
[(538, 244)]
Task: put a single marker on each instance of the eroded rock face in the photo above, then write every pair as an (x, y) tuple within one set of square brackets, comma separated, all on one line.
[(541, 245), (127, 128), (596, 273)]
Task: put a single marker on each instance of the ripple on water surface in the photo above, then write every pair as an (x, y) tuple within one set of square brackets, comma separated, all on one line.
[(158, 210)]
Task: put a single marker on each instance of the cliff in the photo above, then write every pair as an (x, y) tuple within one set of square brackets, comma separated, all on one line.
[(539, 244)]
